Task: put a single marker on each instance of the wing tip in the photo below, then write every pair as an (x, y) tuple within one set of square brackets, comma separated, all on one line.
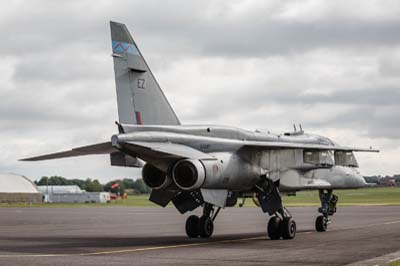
[(369, 150), (31, 159)]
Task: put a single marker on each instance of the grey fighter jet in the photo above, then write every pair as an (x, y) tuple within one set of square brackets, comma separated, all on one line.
[(212, 166)]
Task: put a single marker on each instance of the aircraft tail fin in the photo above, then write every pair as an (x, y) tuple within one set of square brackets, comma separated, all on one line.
[(139, 97)]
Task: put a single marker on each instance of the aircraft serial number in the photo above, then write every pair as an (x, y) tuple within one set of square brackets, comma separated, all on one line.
[(204, 146)]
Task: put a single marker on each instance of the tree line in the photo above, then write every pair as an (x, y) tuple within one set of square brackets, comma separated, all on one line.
[(124, 185), (377, 179)]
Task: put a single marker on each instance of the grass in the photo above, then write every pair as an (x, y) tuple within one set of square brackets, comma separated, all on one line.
[(352, 197), (394, 263), (132, 201)]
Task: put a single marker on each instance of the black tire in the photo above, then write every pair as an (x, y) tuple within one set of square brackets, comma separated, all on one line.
[(192, 225), (206, 227), (288, 227), (320, 224), (274, 228)]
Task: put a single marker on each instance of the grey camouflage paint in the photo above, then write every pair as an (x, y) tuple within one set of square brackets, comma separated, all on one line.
[(234, 159)]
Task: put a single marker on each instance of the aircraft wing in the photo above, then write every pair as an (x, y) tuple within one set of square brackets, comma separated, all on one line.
[(165, 150), (339, 148), (292, 145), (100, 148), (168, 150), (160, 150)]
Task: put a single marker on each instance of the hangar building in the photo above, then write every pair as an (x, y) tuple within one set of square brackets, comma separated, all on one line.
[(72, 194), (16, 188)]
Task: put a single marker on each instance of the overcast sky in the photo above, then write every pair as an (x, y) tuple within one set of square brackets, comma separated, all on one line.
[(333, 66)]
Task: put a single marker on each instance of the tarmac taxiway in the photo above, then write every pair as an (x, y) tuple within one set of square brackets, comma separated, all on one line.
[(156, 236)]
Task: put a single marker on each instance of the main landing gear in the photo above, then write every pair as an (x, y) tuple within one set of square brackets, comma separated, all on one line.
[(281, 225), (202, 226), (328, 208)]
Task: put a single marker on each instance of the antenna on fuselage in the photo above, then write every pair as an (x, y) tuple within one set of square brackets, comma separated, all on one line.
[(295, 132)]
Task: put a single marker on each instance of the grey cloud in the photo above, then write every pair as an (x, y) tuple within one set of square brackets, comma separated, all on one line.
[(370, 97), (208, 29), (41, 26), (191, 28), (282, 38), (260, 97), (32, 107), (365, 107), (63, 66), (369, 120), (390, 65), (61, 93)]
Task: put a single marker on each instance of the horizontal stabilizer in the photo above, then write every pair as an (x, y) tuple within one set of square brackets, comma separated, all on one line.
[(165, 150), (100, 148), (122, 159)]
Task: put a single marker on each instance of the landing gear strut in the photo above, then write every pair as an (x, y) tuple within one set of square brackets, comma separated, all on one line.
[(202, 226), (328, 208), (281, 225)]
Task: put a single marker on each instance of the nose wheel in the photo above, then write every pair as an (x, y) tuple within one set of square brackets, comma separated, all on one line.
[(328, 208), (321, 223)]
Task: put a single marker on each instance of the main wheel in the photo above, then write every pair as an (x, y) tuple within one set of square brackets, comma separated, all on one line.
[(320, 224), (206, 227), (192, 226), (288, 227), (274, 228)]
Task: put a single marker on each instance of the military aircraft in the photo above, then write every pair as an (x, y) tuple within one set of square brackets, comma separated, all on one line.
[(215, 166)]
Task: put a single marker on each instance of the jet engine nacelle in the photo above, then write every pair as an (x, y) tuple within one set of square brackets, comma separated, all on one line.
[(154, 177), (190, 174)]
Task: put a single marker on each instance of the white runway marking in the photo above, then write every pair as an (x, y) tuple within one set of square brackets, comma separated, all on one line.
[(379, 261), (132, 250)]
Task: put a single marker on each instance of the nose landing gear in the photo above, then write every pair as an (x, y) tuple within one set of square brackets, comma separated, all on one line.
[(321, 223), (328, 208)]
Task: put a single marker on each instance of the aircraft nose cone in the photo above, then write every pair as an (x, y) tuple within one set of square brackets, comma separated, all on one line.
[(342, 177), (354, 177)]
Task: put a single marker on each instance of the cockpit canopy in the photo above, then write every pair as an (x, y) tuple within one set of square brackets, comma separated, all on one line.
[(317, 157), (329, 158), (345, 158)]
